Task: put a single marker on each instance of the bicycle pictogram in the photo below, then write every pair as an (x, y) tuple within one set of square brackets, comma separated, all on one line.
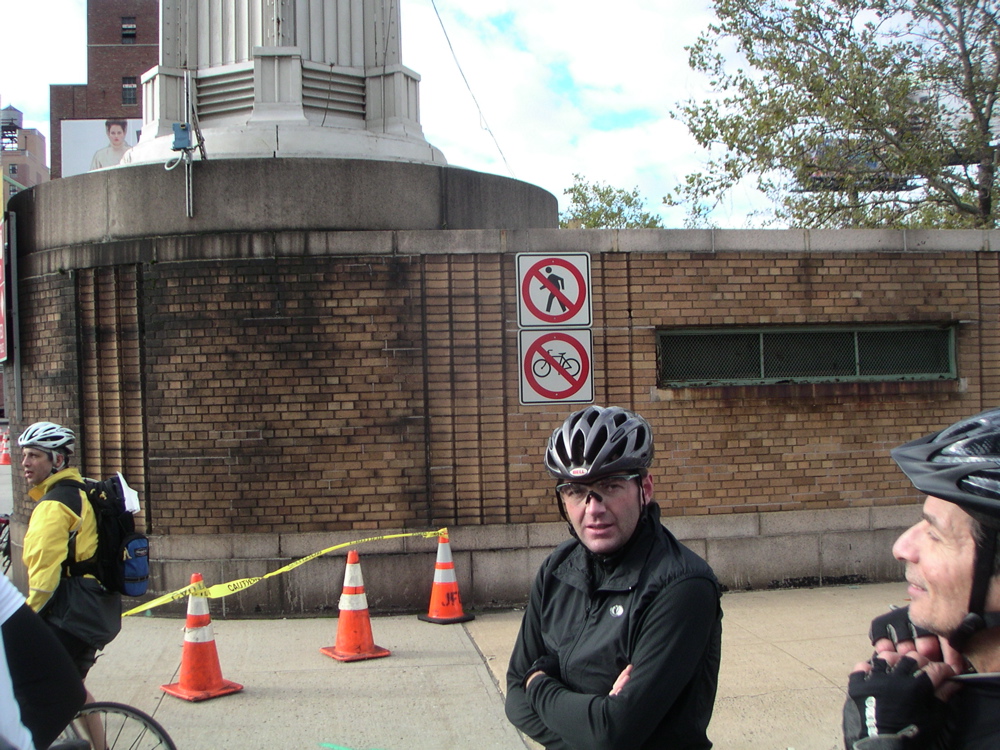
[(542, 367)]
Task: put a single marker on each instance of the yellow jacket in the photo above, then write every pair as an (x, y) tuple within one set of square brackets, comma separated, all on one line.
[(46, 543)]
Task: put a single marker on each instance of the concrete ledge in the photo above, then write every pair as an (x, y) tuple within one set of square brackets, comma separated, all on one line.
[(495, 565), (275, 195)]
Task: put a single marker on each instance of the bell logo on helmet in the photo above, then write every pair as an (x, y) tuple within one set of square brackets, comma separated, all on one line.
[(578, 472)]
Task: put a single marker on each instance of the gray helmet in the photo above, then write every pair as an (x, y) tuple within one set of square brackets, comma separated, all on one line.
[(960, 464), (50, 437), (595, 442)]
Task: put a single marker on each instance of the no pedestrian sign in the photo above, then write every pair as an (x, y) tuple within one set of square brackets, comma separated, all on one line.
[(556, 366), (553, 290)]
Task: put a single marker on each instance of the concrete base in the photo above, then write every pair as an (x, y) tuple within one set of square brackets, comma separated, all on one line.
[(292, 140), (496, 564), (276, 195)]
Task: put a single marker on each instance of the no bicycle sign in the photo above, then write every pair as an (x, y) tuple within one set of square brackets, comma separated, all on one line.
[(556, 366)]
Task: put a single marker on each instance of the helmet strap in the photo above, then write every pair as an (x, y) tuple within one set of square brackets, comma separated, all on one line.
[(982, 575)]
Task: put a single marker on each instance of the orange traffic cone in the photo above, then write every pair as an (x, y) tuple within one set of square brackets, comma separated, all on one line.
[(201, 676), (5, 449), (446, 604), (354, 627)]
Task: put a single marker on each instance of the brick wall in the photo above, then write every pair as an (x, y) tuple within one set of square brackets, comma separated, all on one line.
[(309, 394), (272, 393), (48, 360)]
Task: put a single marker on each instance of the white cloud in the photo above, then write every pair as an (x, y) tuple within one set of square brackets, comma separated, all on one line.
[(587, 90), (564, 88), (43, 44)]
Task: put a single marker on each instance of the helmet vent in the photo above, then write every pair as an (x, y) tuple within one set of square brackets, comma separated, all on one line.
[(598, 440)]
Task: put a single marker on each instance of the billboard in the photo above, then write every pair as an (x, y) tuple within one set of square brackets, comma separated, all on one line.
[(95, 144)]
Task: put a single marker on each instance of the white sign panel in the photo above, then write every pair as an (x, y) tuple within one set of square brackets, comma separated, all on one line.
[(556, 366), (553, 290)]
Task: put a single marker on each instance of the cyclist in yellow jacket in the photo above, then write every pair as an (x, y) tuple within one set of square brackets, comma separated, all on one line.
[(45, 453), (46, 448)]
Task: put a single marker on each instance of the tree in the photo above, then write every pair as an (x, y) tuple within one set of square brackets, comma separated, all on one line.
[(600, 206), (851, 113)]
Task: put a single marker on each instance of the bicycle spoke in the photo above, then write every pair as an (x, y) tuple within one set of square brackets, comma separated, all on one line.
[(127, 728)]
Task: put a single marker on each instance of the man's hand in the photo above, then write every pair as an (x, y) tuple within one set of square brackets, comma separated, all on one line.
[(893, 692), (894, 631), (621, 680), (547, 664)]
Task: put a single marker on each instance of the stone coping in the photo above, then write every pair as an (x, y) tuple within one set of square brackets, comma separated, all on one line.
[(530, 536)]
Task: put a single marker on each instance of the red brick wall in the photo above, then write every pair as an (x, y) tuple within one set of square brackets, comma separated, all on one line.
[(108, 60), (324, 393)]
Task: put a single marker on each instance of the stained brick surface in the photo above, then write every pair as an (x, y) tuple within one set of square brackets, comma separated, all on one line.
[(337, 393)]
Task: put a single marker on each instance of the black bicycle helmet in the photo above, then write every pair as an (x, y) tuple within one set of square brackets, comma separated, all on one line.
[(961, 464), (596, 442)]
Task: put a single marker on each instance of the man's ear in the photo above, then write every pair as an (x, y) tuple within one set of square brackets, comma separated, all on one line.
[(58, 461), (647, 488)]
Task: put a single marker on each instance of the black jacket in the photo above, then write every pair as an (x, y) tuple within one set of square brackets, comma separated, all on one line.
[(657, 607)]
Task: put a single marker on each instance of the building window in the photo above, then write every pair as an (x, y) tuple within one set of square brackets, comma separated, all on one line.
[(130, 90), (128, 29), (12, 169), (13, 191), (732, 356)]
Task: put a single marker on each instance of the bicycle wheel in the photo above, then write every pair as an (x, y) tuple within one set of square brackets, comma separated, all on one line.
[(126, 728), (5, 543), (541, 368)]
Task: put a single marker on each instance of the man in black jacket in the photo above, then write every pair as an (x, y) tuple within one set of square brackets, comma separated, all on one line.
[(621, 640)]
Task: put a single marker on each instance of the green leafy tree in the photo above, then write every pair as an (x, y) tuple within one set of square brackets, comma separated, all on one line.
[(850, 113), (600, 206)]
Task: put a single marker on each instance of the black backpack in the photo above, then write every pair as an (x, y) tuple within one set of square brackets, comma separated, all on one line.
[(121, 562)]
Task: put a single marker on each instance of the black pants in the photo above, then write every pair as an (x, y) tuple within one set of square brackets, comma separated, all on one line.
[(46, 682)]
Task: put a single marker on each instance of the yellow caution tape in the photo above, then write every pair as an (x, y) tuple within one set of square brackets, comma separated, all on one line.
[(225, 589)]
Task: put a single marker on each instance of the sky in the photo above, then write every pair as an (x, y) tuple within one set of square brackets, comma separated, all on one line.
[(541, 89)]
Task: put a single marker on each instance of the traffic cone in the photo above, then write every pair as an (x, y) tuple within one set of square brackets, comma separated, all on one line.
[(446, 604), (5, 449), (354, 628), (201, 676)]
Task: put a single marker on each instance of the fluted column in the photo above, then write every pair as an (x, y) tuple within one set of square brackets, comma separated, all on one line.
[(330, 65)]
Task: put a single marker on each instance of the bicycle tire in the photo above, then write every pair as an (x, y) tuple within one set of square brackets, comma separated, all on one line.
[(5, 543), (128, 728), (541, 368)]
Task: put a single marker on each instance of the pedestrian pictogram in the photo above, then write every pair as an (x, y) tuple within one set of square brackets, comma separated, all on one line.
[(554, 290), (556, 366)]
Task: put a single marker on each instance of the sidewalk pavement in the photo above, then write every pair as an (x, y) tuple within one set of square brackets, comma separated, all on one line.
[(785, 660)]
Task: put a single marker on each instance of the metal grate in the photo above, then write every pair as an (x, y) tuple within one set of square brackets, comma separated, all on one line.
[(783, 355)]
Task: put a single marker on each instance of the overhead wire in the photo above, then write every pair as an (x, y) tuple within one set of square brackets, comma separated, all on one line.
[(482, 117)]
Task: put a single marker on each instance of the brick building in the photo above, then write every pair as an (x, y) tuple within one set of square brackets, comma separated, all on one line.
[(22, 155), (122, 44), (274, 381)]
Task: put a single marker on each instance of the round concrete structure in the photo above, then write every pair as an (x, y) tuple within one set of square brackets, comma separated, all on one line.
[(255, 195)]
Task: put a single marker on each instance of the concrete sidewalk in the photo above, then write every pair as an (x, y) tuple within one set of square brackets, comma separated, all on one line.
[(786, 657)]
